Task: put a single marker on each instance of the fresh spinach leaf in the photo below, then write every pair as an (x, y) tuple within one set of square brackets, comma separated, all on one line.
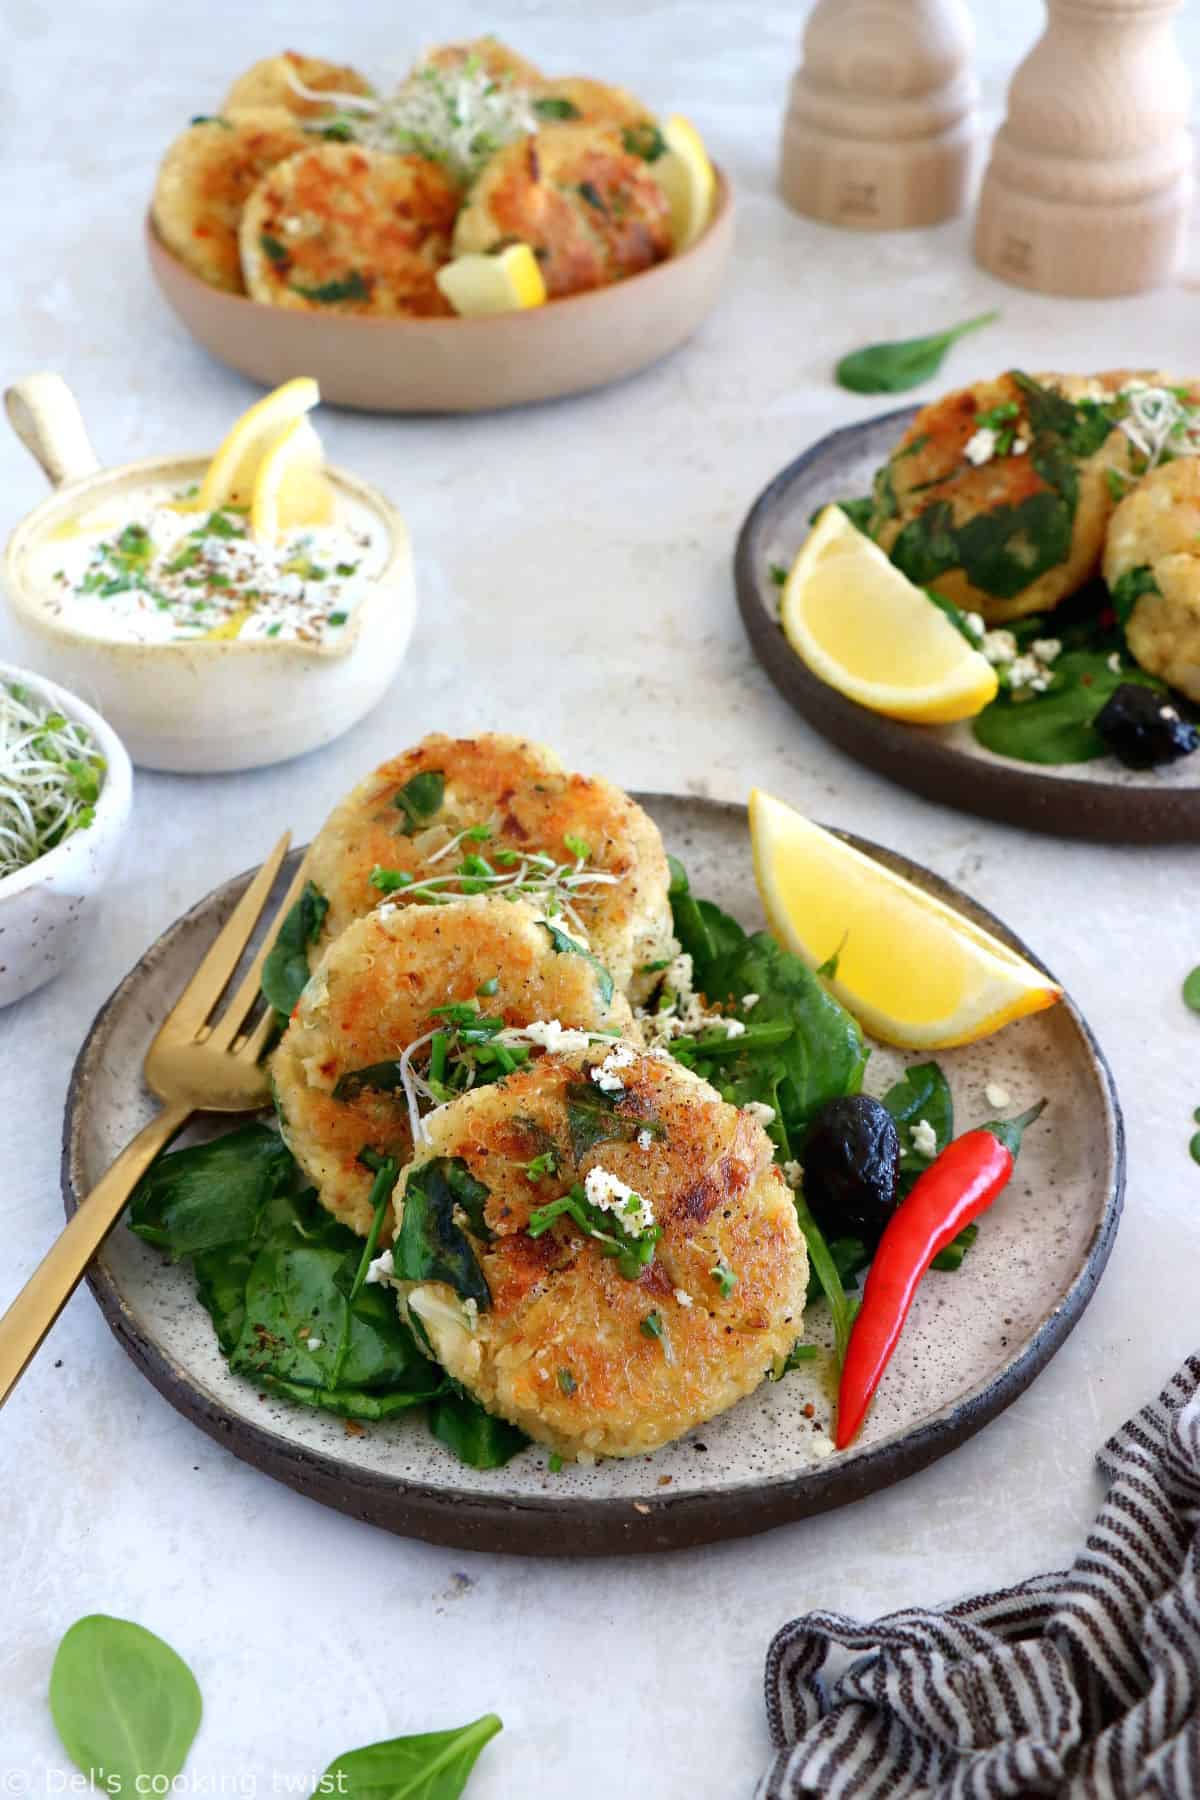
[(956, 616), (951, 1258), (1191, 990), (210, 1194), (430, 1245), (1128, 589), (432, 1766), (921, 1093), (380, 1078), (285, 971), (1058, 726), (476, 1437), (593, 1118), (420, 800), (567, 946), (329, 293), (823, 1266), (891, 368), (123, 1702)]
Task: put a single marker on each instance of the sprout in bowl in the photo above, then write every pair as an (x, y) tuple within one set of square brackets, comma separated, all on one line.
[(65, 785)]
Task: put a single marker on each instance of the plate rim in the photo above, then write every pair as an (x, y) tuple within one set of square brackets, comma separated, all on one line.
[(1012, 792), (468, 1520)]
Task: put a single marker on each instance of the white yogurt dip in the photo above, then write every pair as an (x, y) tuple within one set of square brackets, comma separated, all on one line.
[(150, 569)]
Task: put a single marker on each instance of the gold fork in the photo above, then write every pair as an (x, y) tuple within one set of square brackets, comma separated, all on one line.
[(193, 1066)]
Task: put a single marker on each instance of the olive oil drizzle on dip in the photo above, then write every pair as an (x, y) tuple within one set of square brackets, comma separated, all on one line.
[(162, 572)]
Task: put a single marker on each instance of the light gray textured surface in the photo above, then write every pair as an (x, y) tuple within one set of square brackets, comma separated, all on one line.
[(603, 527)]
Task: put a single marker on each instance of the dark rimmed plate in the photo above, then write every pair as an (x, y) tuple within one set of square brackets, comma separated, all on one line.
[(974, 1342), (1098, 800)]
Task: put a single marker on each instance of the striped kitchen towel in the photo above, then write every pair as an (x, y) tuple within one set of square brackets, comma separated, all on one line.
[(1084, 1684)]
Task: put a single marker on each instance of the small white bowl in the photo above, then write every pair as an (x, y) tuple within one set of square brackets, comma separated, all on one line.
[(209, 705), (46, 907)]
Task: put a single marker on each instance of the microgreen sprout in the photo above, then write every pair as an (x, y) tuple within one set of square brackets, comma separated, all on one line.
[(51, 773)]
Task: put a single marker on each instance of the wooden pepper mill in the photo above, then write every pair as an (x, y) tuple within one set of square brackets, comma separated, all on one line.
[(1088, 187), (879, 128)]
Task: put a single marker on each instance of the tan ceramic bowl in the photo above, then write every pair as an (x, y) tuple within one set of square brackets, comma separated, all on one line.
[(461, 365), (211, 705)]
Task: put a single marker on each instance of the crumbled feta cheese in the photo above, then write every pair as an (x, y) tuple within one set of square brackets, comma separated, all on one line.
[(975, 625), (749, 1000), (793, 1174), (552, 1035), (315, 1343), (605, 1074), (1114, 662), (734, 1028), (1026, 671), (382, 1269), (999, 646), (760, 1111), (996, 1095), (610, 1194), (1020, 445), (981, 448), (684, 1299), (924, 1138), (644, 1139), (680, 974), (1046, 649), (1168, 713)]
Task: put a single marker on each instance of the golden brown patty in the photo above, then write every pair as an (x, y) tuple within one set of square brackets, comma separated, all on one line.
[(408, 812), (570, 1349), (342, 228), (489, 54), (576, 99), (204, 181), (591, 210), (1034, 512), (269, 83), (374, 994), (1155, 531)]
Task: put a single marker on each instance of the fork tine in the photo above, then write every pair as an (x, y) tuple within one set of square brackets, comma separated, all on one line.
[(202, 992), (239, 1007)]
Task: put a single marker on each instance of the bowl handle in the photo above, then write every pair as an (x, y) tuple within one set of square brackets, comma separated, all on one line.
[(45, 415)]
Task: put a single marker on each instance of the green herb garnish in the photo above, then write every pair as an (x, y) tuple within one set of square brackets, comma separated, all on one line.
[(330, 293)]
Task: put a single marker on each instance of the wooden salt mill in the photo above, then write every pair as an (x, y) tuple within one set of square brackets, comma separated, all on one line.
[(1089, 183), (879, 127)]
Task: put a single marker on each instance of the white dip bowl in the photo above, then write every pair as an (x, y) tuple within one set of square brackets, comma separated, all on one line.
[(48, 907), (205, 705)]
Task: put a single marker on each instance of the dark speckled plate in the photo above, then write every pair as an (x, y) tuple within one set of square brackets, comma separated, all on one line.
[(974, 1341), (1099, 800)]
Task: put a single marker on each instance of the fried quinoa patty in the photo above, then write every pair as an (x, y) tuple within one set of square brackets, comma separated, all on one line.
[(1154, 538), (403, 820), (269, 83), (577, 98), (1021, 528), (373, 996), (591, 211), (204, 181), (571, 1350), (339, 227)]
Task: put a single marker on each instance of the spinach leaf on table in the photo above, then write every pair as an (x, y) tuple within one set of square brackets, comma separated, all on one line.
[(434, 1765), (891, 368), (123, 1702), (285, 971)]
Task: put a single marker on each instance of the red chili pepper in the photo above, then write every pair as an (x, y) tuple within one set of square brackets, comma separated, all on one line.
[(953, 1190)]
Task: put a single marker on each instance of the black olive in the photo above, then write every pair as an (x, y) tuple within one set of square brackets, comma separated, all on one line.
[(851, 1159), (1142, 728)]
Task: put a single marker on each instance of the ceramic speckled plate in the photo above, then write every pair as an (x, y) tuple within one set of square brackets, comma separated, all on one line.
[(974, 1341), (1099, 800)]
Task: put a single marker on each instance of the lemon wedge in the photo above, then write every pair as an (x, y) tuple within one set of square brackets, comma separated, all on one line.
[(687, 177), (912, 970), (865, 629), (291, 488), (229, 478), (510, 281)]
